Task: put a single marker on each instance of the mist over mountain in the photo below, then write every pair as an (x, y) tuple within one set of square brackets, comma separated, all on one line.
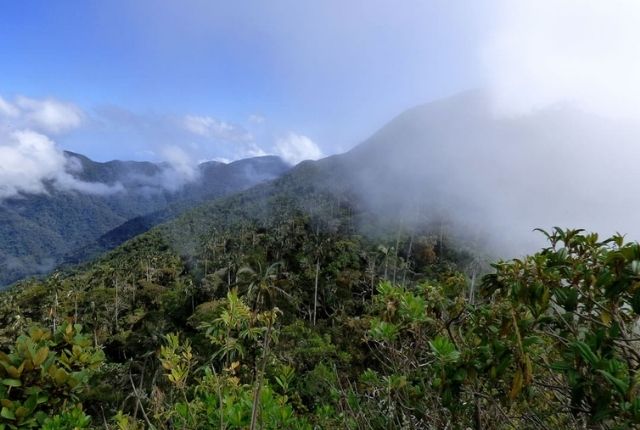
[(498, 177), (454, 165), (37, 231), (458, 169)]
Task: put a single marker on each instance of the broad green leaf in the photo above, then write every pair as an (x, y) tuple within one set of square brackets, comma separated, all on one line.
[(7, 413), (12, 382)]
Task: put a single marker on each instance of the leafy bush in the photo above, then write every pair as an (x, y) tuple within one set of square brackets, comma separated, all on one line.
[(46, 374)]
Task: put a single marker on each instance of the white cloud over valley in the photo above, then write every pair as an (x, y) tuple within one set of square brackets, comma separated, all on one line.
[(32, 132), (180, 168), (30, 161)]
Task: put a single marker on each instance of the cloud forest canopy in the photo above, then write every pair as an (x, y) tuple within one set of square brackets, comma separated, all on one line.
[(302, 302), (234, 276), (297, 321)]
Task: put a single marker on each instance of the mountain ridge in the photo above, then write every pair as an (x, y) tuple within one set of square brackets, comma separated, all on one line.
[(452, 162), (38, 231)]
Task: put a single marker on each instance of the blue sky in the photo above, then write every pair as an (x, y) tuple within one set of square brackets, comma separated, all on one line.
[(280, 71), (184, 81), (204, 79)]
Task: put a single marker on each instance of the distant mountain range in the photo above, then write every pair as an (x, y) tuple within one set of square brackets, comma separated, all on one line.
[(451, 164), (40, 232)]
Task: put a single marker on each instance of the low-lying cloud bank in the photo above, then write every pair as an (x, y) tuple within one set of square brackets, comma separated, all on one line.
[(179, 170), (34, 163), (30, 161)]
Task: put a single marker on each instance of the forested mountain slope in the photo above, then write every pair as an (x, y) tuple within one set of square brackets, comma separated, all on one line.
[(38, 232), (485, 179), (341, 295)]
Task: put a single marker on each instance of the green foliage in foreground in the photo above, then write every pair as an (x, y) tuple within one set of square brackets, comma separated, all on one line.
[(547, 341), (44, 375)]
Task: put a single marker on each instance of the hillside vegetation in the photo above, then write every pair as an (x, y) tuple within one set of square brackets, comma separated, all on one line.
[(40, 232), (277, 312), (342, 295)]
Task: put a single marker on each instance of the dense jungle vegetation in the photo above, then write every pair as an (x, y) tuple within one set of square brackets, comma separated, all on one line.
[(303, 325), (291, 306)]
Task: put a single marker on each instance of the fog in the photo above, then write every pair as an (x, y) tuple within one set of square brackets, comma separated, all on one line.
[(492, 179), (551, 139), (583, 52), (562, 144)]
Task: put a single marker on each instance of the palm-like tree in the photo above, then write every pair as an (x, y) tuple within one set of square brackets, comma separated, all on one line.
[(260, 286), (317, 249)]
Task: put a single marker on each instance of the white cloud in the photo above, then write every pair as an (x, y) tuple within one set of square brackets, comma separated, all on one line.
[(47, 115), (207, 126), (294, 148), (30, 161), (580, 51), (180, 168)]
